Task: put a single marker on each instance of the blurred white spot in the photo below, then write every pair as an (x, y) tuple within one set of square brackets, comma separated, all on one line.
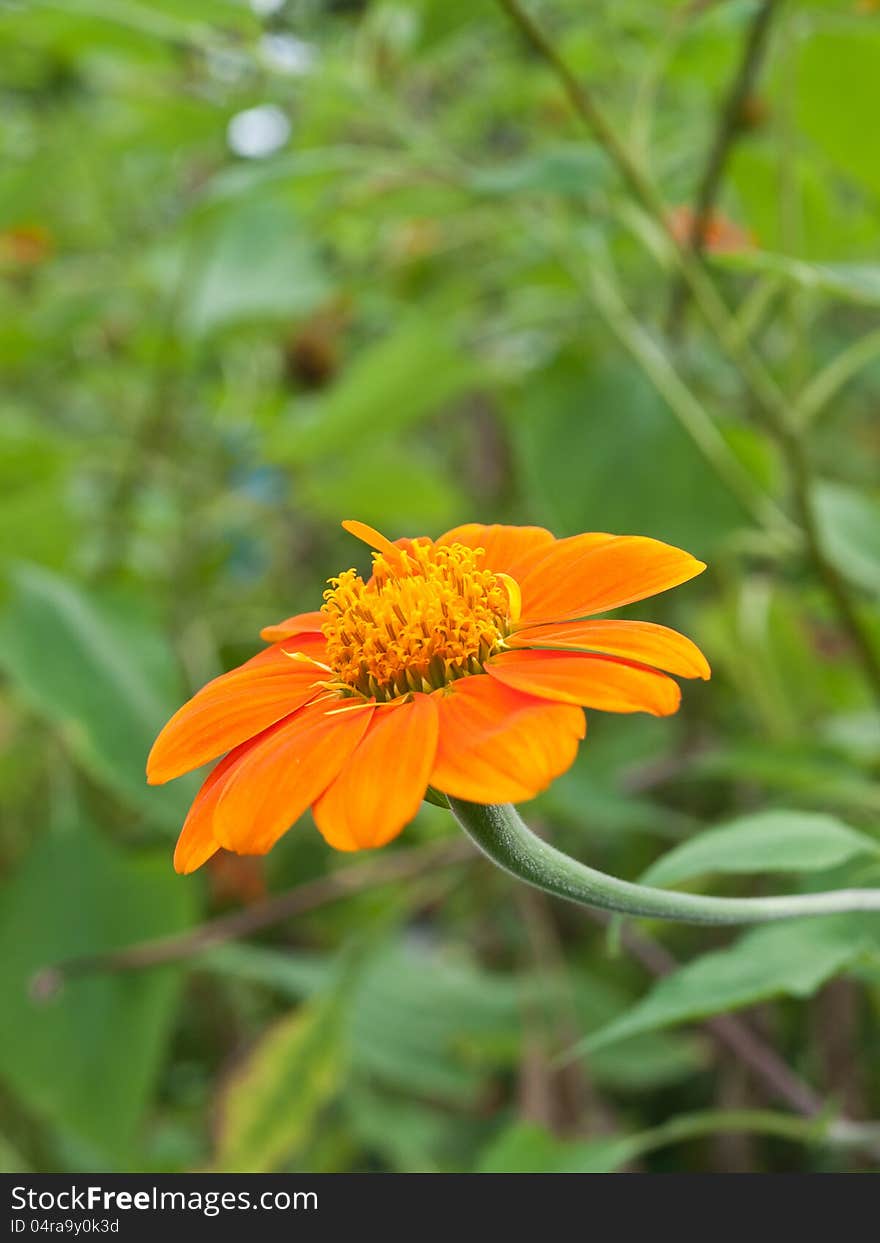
[(287, 54), (265, 8), (258, 132)]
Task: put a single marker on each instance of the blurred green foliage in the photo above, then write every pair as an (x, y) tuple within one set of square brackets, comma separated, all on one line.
[(266, 267)]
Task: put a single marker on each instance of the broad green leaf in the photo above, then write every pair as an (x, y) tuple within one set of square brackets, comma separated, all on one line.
[(434, 1028), (87, 1059), (646, 1063), (562, 170), (588, 435), (129, 25), (838, 95), (850, 282), (418, 1023), (528, 1149), (413, 1136), (835, 226), (857, 733), (850, 524), (769, 841), (272, 1102), (525, 1148), (791, 959), (389, 386), (254, 263), (811, 772), (11, 1160), (247, 179), (35, 516), (101, 676), (415, 494)]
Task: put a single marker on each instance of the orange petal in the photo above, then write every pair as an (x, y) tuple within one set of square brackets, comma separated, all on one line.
[(196, 843), (374, 539), (510, 550), (497, 745), (229, 710), (282, 775), (300, 623), (383, 782), (593, 573), (591, 681), (644, 642)]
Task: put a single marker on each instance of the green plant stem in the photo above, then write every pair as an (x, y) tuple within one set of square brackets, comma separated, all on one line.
[(834, 584), (687, 409), (815, 395), (500, 833), (700, 285), (755, 1121), (728, 129)]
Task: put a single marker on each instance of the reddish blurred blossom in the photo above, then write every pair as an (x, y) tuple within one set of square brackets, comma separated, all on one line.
[(719, 234), (236, 878), (25, 246)]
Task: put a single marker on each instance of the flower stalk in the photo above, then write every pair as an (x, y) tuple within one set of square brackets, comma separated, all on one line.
[(501, 834)]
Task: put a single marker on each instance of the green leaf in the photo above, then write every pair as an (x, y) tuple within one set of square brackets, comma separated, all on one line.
[(418, 1022), (769, 841), (254, 264), (414, 496), (527, 1149), (850, 282), (273, 1101), (35, 516), (838, 80), (850, 525), (411, 1135), (102, 676), (588, 435), (390, 385), (785, 960), (646, 1063), (567, 169), (87, 1059), (524, 1148)]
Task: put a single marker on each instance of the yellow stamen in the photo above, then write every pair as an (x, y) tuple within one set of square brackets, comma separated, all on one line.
[(427, 616)]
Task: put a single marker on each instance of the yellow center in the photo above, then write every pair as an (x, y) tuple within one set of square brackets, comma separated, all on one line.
[(428, 615)]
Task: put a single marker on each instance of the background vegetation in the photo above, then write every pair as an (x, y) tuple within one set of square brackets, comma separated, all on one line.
[(265, 267)]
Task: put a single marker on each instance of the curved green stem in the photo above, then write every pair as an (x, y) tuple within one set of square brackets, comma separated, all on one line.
[(500, 833)]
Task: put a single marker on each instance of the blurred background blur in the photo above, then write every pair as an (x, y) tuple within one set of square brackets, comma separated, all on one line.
[(266, 266)]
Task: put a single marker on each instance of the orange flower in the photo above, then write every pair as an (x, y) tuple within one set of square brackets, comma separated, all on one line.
[(462, 664)]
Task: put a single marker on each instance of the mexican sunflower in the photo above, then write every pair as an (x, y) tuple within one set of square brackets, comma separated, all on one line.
[(462, 663)]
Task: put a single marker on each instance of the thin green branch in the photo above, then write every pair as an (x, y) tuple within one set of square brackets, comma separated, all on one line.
[(828, 382), (835, 586), (501, 834), (757, 305), (759, 1122), (727, 130), (642, 188)]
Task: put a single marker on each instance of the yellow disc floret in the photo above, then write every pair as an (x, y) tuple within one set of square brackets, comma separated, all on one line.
[(428, 615)]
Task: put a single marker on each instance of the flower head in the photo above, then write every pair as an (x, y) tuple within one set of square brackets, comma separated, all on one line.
[(462, 663)]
